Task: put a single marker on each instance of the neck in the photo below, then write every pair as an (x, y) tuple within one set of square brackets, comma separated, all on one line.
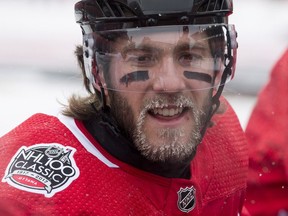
[(123, 149)]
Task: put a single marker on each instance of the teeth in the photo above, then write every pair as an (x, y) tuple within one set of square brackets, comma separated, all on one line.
[(168, 112)]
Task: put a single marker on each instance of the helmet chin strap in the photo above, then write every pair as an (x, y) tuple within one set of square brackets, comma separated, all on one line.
[(216, 98), (98, 82), (105, 108)]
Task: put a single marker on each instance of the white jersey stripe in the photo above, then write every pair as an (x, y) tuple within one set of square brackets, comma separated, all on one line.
[(71, 125)]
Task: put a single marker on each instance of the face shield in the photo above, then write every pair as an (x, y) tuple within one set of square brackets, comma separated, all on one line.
[(137, 59)]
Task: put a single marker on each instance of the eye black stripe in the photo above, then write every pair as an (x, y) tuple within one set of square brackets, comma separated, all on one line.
[(143, 76), (134, 76), (198, 76)]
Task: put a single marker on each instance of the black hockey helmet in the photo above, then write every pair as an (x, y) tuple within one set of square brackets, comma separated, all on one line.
[(117, 14), (102, 21)]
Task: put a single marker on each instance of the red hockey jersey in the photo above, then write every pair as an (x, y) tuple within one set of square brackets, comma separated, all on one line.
[(267, 133), (52, 166)]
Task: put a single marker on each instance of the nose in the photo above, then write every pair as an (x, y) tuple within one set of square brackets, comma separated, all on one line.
[(168, 78)]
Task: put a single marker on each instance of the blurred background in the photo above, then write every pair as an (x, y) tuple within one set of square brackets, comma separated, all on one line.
[(38, 70)]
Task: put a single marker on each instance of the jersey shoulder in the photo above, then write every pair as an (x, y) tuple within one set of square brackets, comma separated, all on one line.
[(224, 151), (38, 128), (47, 168)]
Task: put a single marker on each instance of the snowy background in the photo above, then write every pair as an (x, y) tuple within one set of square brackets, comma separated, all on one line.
[(38, 69)]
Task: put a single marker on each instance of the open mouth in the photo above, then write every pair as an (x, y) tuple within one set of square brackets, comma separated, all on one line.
[(167, 112)]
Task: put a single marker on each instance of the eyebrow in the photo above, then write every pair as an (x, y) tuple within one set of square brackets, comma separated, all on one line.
[(142, 47), (134, 76), (187, 46)]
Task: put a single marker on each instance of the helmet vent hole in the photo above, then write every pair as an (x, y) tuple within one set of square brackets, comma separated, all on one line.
[(121, 10), (105, 8), (212, 5), (117, 10)]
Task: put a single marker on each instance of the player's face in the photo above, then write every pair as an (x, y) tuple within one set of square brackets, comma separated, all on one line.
[(164, 117)]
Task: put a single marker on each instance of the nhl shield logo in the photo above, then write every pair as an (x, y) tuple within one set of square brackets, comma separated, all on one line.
[(186, 199), (42, 168)]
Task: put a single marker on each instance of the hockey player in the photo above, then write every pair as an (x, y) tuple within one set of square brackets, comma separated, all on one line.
[(153, 137), (267, 193)]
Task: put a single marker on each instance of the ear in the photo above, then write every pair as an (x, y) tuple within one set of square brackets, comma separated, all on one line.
[(96, 77)]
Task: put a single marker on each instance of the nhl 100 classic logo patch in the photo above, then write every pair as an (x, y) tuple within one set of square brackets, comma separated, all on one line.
[(186, 199), (42, 168)]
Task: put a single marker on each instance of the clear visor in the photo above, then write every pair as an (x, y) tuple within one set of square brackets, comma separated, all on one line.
[(165, 58)]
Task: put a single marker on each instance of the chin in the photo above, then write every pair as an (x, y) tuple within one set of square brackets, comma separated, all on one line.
[(168, 150)]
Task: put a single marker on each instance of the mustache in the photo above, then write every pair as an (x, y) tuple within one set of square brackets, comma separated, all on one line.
[(164, 100)]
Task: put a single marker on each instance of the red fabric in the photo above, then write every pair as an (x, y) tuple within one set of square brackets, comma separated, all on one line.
[(218, 175), (267, 133)]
